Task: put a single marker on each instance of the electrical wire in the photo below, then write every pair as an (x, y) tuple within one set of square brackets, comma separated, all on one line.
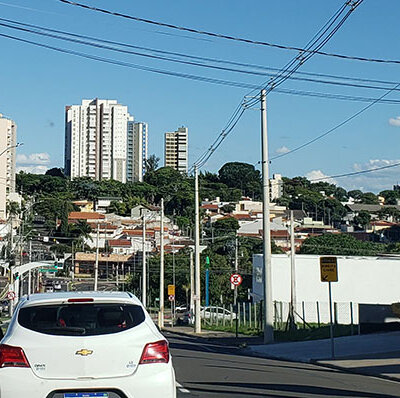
[(318, 41), (206, 59), (353, 4), (357, 172), (175, 60), (338, 125)]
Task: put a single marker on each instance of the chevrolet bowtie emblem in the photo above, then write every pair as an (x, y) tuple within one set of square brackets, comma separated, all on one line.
[(84, 352)]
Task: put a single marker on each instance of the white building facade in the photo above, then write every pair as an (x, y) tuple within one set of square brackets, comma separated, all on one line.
[(137, 141), (8, 142), (176, 150), (96, 139)]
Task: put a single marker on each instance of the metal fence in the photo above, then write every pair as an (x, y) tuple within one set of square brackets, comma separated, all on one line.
[(306, 313)]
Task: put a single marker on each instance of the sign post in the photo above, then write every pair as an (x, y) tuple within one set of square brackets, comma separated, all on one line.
[(207, 281), (329, 273), (171, 298), (236, 280)]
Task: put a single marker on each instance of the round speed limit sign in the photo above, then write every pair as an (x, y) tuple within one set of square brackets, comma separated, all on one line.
[(236, 279), (11, 295)]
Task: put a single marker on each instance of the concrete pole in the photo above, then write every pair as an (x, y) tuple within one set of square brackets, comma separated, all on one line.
[(11, 283), (292, 274), (268, 307), (144, 282), (161, 316), (96, 265), (29, 272), (197, 252), (191, 282)]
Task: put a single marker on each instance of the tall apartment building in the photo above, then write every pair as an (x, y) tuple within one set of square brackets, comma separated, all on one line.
[(136, 151), (8, 142), (96, 140), (176, 150)]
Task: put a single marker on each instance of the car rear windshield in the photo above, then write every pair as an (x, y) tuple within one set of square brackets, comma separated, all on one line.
[(81, 319)]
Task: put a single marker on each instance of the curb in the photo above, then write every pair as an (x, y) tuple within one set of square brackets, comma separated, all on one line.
[(354, 371), (317, 362)]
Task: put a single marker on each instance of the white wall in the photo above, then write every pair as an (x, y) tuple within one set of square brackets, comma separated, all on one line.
[(368, 280)]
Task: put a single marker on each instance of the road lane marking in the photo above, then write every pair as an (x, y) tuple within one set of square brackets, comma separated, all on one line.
[(182, 389)]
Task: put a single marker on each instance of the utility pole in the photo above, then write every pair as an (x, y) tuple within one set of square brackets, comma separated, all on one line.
[(191, 282), (197, 252), (161, 315), (268, 308), (292, 274), (96, 265), (30, 272), (11, 283), (144, 282)]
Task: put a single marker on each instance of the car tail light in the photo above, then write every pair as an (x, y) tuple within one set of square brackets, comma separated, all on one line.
[(12, 357), (80, 300), (155, 353)]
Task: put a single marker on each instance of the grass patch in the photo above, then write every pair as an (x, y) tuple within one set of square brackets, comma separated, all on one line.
[(300, 334)]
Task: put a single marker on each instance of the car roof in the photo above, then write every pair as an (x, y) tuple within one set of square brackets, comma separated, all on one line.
[(61, 297)]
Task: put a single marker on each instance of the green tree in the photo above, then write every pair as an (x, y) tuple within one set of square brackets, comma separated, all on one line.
[(152, 163), (391, 197), (369, 198), (243, 176), (362, 219), (340, 244)]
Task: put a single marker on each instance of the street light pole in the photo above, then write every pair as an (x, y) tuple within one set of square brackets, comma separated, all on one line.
[(268, 308), (197, 252)]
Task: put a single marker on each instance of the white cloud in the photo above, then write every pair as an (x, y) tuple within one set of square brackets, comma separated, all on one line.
[(282, 149), (320, 176), (395, 121), (33, 158), (33, 169), (375, 181)]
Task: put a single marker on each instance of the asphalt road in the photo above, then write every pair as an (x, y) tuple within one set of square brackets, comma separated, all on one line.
[(209, 370)]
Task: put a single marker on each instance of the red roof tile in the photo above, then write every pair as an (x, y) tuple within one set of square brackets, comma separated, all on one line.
[(85, 215), (119, 243)]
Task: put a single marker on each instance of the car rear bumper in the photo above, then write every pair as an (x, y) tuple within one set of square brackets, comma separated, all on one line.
[(146, 382)]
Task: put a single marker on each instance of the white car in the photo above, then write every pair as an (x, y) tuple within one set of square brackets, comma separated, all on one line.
[(213, 313), (84, 344)]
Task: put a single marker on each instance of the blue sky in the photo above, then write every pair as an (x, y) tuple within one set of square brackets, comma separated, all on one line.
[(36, 83)]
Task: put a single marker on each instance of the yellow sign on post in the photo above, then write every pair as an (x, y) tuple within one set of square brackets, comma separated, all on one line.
[(171, 290), (328, 266)]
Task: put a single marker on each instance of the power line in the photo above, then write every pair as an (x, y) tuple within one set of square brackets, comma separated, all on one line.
[(357, 172), (352, 3), (190, 57), (202, 78), (318, 41), (338, 125)]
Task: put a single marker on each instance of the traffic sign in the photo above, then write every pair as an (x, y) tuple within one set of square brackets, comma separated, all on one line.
[(236, 279), (171, 297), (328, 268), (171, 290), (11, 295)]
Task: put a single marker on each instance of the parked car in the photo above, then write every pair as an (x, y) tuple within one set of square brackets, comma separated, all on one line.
[(57, 286), (108, 344), (213, 313), (4, 306)]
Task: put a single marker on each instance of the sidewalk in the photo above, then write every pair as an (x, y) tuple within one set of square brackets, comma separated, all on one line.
[(373, 354)]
